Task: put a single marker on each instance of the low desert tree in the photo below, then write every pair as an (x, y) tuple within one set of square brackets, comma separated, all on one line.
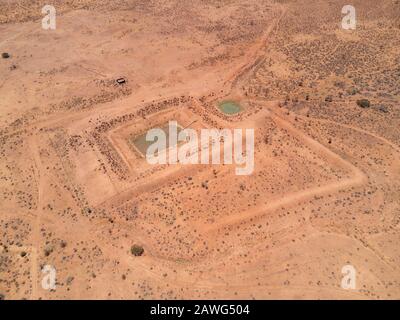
[(137, 250)]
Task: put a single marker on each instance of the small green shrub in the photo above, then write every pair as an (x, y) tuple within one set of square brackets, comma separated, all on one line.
[(363, 103), (137, 250)]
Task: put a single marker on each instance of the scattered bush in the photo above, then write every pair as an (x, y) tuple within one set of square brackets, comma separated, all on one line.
[(363, 103), (69, 280), (48, 250), (382, 108), (137, 250), (352, 91)]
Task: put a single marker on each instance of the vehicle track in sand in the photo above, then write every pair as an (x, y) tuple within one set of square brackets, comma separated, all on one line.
[(358, 178), (252, 60), (202, 282), (256, 52), (34, 148), (256, 55)]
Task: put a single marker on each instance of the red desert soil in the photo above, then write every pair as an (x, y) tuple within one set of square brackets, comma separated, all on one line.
[(325, 191)]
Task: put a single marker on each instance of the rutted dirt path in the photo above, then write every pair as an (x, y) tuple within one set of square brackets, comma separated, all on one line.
[(358, 178), (36, 228), (230, 83)]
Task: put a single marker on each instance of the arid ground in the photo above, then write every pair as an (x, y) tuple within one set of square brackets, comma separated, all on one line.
[(325, 191)]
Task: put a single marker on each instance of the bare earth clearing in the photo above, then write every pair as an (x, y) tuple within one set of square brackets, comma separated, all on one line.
[(76, 195)]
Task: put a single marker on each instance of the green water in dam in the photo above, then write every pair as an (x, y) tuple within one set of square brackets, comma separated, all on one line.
[(229, 107)]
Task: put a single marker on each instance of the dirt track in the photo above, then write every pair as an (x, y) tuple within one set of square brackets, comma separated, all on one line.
[(324, 193)]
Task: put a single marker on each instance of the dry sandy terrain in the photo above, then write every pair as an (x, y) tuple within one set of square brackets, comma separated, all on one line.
[(325, 191)]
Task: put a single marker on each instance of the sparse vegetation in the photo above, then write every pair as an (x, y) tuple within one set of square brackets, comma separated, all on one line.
[(363, 103), (48, 250), (76, 195), (137, 250)]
